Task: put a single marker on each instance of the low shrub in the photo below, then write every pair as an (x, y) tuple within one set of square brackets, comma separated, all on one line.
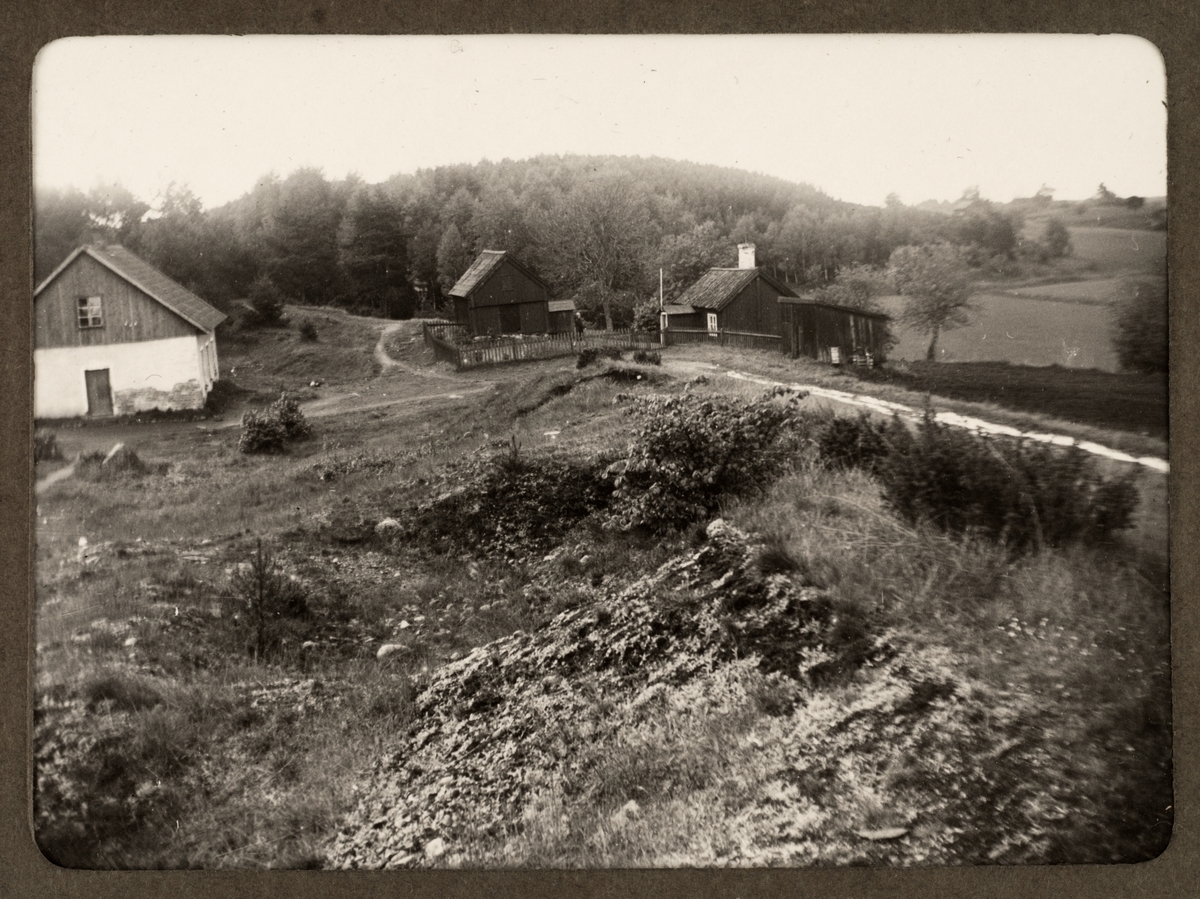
[(267, 430), (846, 442), (1023, 494), (308, 331), (690, 452), (592, 354), (647, 357), (45, 447)]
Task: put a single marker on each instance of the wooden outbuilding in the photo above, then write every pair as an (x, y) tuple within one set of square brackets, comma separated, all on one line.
[(115, 336), (742, 300), (498, 295), (830, 333)]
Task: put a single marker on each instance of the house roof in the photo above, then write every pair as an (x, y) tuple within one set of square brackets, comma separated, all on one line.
[(676, 309), (483, 266), (718, 286), (806, 301), (560, 306), (150, 281)]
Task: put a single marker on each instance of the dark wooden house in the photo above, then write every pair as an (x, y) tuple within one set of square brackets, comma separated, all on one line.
[(498, 295), (113, 335), (830, 333), (743, 300)]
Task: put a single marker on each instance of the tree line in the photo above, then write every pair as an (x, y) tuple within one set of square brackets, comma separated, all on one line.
[(599, 229)]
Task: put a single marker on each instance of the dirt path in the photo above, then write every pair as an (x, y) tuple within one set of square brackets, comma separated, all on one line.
[(885, 407)]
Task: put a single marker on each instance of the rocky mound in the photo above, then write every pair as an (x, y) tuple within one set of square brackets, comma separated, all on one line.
[(527, 702)]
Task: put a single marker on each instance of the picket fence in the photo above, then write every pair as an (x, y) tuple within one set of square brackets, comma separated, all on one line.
[(453, 344)]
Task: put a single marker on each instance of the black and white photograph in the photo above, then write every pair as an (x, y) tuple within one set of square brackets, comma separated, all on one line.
[(600, 452)]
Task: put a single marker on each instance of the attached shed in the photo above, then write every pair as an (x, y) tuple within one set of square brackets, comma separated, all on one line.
[(831, 333), (114, 336), (499, 295), (743, 299), (562, 316)]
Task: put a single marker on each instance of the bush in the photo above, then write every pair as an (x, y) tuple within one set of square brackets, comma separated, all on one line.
[(590, 355), (267, 302), (647, 357), (852, 442), (1140, 331), (308, 331), (266, 430), (123, 462), (690, 452), (45, 447), (1025, 495)]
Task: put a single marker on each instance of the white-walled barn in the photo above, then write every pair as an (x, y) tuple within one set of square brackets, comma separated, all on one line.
[(114, 336)]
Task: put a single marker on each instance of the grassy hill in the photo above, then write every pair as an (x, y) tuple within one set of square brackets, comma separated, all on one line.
[(448, 629)]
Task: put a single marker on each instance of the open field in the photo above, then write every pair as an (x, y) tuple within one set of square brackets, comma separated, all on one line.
[(1020, 330), (498, 678)]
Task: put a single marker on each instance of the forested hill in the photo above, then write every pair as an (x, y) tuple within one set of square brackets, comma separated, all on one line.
[(598, 228)]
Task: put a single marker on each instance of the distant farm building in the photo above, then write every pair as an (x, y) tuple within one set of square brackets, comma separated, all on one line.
[(742, 300), (112, 335), (498, 295), (830, 333)]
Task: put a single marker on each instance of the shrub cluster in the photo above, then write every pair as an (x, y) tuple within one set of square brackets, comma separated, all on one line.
[(124, 462), (510, 504), (308, 331), (1022, 494), (267, 430), (689, 452), (845, 442), (647, 357), (591, 354)]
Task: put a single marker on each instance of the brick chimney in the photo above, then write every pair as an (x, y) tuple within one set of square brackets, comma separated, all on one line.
[(745, 255)]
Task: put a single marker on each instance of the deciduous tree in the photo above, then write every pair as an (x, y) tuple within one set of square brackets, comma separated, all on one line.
[(934, 281)]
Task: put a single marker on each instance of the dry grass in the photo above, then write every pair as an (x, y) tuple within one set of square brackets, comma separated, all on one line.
[(228, 763)]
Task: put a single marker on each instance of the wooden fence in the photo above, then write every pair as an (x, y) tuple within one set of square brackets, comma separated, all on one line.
[(745, 339), (453, 344)]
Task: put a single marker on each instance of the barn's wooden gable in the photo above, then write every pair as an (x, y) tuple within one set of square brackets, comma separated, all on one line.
[(127, 313), (498, 295)]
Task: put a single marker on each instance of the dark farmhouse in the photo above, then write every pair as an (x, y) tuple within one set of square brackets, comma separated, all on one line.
[(498, 295), (831, 333), (113, 335), (743, 299)]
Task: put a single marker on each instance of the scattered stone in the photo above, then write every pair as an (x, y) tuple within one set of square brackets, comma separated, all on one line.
[(389, 527), (885, 833), (388, 649), (435, 848)]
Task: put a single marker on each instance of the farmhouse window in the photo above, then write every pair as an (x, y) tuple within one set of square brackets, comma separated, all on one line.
[(712, 322), (90, 315)]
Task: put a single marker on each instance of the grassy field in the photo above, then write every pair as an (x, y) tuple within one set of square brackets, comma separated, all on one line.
[(498, 679)]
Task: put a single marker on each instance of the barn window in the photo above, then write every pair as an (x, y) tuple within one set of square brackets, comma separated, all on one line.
[(90, 315), (712, 322)]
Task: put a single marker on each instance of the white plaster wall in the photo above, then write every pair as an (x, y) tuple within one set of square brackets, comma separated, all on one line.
[(59, 390)]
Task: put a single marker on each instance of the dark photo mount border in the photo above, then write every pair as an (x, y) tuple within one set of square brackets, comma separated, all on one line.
[(1171, 25)]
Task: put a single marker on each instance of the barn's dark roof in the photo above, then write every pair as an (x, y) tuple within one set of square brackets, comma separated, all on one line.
[(808, 301), (486, 263), (149, 280), (718, 286)]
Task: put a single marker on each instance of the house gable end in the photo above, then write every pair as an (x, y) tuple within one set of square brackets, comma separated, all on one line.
[(127, 313)]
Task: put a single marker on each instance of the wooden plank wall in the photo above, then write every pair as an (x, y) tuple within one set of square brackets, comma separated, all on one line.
[(129, 315)]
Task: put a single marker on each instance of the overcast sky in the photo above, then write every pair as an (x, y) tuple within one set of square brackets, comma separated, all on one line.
[(857, 116)]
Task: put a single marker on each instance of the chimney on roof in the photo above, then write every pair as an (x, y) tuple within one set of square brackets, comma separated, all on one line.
[(745, 255)]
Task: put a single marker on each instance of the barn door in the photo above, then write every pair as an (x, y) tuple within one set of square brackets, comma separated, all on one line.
[(99, 392)]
